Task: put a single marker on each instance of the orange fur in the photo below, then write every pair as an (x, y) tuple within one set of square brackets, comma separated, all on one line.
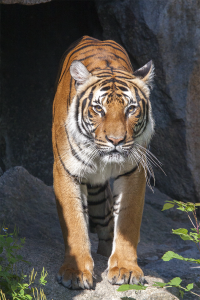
[(102, 124)]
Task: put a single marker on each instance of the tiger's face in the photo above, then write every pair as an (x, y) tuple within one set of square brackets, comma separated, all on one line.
[(113, 113), (118, 115)]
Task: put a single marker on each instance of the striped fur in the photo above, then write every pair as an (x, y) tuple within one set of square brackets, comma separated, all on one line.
[(102, 125)]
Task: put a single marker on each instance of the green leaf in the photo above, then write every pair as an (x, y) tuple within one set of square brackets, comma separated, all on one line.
[(189, 286), (180, 230), (159, 284), (123, 288), (183, 233), (9, 240), (126, 287), (168, 256), (167, 206), (181, 293), (21, 292), (137, 287), (175, 281)]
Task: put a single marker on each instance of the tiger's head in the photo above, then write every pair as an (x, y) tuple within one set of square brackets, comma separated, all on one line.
[(111, 110)]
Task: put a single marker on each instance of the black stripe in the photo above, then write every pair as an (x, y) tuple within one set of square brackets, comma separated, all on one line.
[(99, 191), (89, 186), (118, 57), (77, 108), (137, 95), (145, 114), (84, 206), (97, 202), (116, 72), (90, 116), (70, 89), (106, 88), (74, 153), (95, 69), (67, 171), (94, 224), (128, 173), (125, 73), (121, 82), (121, 50), (125, 77), (136, 87), (83, 105), (93, 130), (122, 88), (101, 217), (103, 72), (106, 240), (85, 126), (86, 57)]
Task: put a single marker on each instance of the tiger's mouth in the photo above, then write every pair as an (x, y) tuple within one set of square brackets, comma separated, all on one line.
[(115, 153), (113, 156)]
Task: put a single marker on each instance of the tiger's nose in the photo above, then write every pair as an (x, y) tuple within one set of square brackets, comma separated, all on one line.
[(115, 140)]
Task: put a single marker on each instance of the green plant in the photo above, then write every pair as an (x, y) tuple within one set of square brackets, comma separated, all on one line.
[(12, 282), (193, 235)]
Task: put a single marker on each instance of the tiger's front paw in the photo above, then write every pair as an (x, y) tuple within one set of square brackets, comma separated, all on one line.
[(124, 272), (76, 278)]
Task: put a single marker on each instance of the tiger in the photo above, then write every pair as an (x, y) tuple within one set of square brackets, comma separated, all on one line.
[(102, 126)]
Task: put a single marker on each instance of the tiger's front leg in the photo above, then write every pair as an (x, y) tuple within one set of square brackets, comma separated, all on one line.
[(77, 269), (129, 192)]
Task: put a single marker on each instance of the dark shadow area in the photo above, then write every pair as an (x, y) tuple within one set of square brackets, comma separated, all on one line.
[(33, 40)]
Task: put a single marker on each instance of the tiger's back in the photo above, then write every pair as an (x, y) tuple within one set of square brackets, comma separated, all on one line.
[(102, 124)]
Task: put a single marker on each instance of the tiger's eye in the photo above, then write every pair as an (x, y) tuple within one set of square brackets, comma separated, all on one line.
[(98, 108), (131, 109)]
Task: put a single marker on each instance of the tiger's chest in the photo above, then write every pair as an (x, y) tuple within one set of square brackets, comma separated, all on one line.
[(103, 172)]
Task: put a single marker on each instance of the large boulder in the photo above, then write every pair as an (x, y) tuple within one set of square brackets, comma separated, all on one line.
[(168, 32)]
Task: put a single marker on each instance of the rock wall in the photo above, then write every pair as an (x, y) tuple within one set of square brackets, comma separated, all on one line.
[(168, 32)]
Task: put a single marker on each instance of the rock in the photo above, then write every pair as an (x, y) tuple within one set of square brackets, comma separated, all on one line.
[(49, 255), (29, 204), (168, 32)]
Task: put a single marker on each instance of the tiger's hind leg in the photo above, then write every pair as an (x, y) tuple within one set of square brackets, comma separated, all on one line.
[(100, 206)]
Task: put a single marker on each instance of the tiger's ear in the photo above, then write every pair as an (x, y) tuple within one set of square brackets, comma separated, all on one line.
[(146, 73), (79, 72)]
